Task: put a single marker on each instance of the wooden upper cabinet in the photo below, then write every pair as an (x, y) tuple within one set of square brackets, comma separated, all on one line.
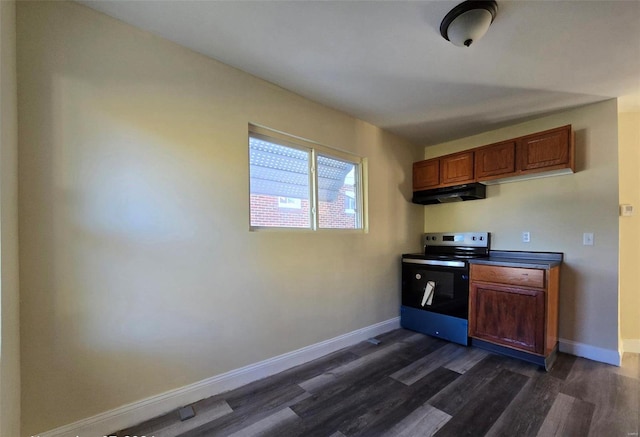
[(496, 160), (551, 151), (548, 150), (441, 172), (456, 169), (426, 174)]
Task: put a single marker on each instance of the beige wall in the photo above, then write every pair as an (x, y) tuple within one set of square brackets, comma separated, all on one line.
[(9, 290), (557, 211), (139, 273), (629, 150)]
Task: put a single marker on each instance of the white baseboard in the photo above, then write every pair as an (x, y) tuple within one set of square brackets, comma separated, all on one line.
[(608, 356), (136, 412), (631, 345)]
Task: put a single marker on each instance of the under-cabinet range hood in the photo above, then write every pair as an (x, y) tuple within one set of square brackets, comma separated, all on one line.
[(457, 193)]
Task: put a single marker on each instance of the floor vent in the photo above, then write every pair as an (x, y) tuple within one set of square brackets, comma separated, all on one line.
[(186, 413)]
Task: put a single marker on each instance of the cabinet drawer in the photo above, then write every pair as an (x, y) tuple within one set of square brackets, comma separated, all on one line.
[(508, 275)]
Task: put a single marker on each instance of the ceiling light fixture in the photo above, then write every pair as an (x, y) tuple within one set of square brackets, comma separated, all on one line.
[(468, 22)]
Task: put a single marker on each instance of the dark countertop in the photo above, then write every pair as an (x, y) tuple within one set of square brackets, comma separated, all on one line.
[(527, 260)]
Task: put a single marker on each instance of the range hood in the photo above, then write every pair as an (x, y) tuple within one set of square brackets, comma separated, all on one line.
[(456, 193)]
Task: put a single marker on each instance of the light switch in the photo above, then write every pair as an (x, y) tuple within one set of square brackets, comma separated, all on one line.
[(587, 239), (626, 210), (526, 237)]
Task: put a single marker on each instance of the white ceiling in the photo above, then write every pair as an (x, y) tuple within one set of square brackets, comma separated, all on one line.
[(385, 61)]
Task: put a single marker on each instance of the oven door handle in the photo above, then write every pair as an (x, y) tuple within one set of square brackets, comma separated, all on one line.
[(432, 262), (429, 289)]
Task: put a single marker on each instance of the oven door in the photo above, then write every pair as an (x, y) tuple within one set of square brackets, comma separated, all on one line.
[(442, 289)]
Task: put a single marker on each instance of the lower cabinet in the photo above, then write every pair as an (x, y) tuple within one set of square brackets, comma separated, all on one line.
[(509, 316), (515, 308)]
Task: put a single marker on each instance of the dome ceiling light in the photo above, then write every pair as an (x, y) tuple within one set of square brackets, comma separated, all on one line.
[(468, 22)]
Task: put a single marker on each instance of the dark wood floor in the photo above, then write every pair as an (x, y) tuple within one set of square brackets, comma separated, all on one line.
[(414, 385)]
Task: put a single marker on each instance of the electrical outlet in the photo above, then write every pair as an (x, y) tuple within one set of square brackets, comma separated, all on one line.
[(526, 237), (587, 239)]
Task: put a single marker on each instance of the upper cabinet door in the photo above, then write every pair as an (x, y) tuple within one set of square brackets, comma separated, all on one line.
[(456, 169), (546, 150), (496, 160), (426, 174)]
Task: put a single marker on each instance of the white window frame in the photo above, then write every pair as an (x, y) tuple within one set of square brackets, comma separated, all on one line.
[(350, 195), (314, 150)]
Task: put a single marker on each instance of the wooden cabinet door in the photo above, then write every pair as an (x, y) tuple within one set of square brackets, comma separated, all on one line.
[(552, 149), (426, 174), (496, 160), (510, 316), (456, 169)]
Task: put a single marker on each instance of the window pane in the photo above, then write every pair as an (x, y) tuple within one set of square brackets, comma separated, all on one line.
[(337, 194), (279, 185)]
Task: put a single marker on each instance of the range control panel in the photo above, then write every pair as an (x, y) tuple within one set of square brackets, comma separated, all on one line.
[(462, 239)]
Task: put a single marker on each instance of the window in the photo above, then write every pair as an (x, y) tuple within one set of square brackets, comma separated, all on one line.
[(295, 183)]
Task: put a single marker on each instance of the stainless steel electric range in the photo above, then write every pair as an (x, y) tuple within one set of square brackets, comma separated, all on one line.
[(435, 284)]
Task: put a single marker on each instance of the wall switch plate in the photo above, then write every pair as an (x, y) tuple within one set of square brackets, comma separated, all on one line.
[(626, 210), (587, 239), (526, 237)]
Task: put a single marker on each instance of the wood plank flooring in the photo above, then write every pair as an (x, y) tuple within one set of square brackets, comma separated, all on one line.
[(415, 385)]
